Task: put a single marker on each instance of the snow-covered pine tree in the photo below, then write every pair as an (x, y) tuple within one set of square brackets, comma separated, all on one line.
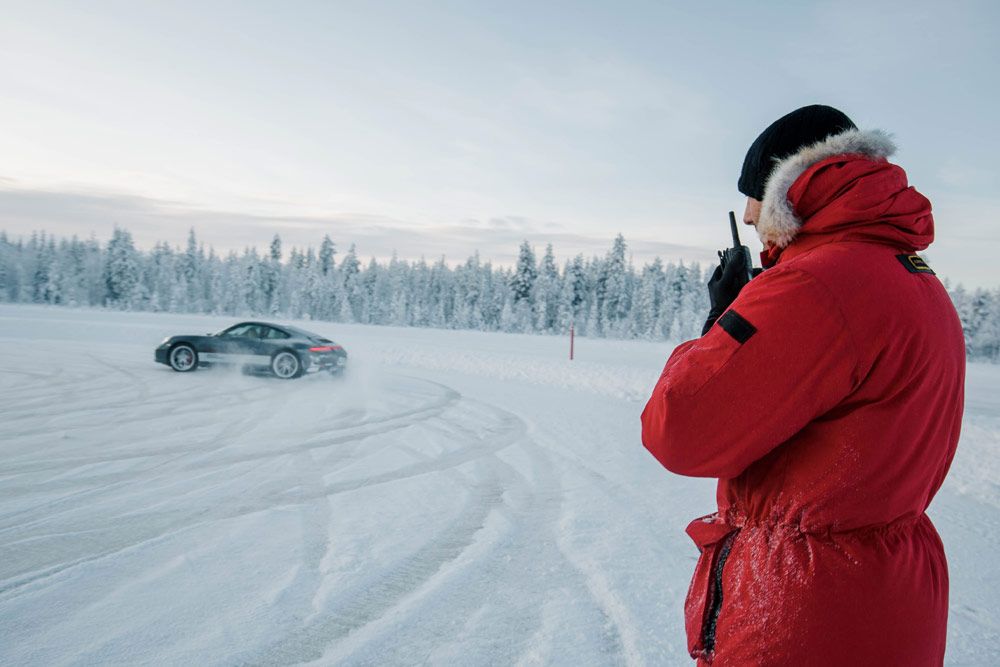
[(353, 298), (522, 282), (573, 295), (6, 265), (468, 290), (189, 269), (982, 332), (646, 310), (693, 308), (399, 289), (38, 268), (121, 270), (522, 286), (327, 251), (53, 288), (372, 310), (615, 286), (493, 296), (548, 288), (276, 249)]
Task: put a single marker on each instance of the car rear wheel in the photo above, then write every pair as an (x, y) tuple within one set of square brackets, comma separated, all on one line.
[(286, 365), (183, 358)]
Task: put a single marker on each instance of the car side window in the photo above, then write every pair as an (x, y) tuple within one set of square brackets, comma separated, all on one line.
[(238, 331), (275, 334)]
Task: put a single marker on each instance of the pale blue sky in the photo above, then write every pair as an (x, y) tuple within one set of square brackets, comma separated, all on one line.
[(447, 127)]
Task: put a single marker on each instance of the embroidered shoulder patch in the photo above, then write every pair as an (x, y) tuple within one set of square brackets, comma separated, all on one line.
[(736, 326), (915, 264)]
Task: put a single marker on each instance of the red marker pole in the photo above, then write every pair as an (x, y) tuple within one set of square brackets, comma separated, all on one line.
[(571, 335)]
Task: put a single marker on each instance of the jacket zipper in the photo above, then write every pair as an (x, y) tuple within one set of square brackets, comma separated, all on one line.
[(713, 613)]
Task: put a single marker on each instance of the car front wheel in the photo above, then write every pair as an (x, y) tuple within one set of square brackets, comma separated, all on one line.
[(183, 358), (285, 365)]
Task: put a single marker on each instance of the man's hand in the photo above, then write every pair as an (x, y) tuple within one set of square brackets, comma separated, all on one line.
[(724, 286)]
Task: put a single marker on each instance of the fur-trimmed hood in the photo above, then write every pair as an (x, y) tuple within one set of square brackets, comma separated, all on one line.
[(778, 224)]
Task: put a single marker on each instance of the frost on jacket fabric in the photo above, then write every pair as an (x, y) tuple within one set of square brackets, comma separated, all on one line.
[(828, 402)]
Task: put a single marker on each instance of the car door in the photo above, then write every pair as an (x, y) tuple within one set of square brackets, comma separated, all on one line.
[(234, 342), (263, 344)]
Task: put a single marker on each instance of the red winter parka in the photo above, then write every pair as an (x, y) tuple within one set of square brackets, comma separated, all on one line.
[(828, 401)]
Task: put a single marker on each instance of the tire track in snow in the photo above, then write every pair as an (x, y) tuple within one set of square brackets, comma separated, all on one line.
[(107, 482), (110, 537), (136, 379), (187, 403), (474, 589), (150, 526), (508, 432), (620, 636), (412, 615), (370, 599), (379, 424), (316, 517), (39, 392), (112, 481)]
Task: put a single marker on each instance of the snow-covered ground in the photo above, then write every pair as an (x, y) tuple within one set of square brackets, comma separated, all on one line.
[(459, 498)]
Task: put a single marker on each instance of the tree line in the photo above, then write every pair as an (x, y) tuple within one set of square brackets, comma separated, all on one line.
[(603, 296)]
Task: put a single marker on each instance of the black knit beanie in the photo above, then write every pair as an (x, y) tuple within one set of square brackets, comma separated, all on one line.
[(786, 136)]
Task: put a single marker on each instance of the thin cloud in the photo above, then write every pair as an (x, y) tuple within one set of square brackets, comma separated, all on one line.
[(66, 213)]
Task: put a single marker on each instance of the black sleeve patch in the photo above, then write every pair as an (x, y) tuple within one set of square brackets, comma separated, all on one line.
[(915, 264), (736, 326)]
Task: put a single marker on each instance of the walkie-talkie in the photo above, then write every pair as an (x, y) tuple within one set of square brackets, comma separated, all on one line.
[(730, 253)]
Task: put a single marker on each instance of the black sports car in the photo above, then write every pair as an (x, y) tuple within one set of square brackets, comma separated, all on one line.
[(286, 352)]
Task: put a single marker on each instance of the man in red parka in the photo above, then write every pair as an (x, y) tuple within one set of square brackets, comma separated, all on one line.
[(826, 395)]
